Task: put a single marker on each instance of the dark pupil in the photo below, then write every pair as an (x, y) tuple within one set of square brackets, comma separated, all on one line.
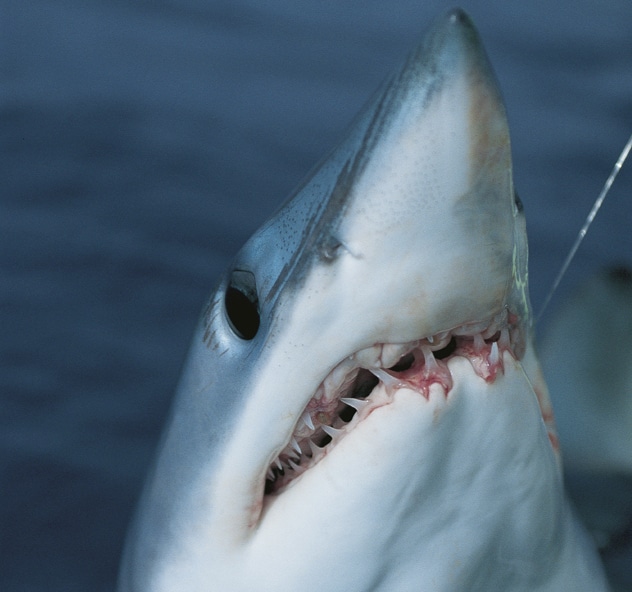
[(242, 313)]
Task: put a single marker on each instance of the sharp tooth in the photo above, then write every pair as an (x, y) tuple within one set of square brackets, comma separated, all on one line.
[(336, 377), (429, 359), (479, 342), (333, 432), (307, 420), (290, 453), (315, 449), (295, 445), (430, 339), (270, 474), (368, 357), (392, 353), (390, 382), (277, 462), (503, 340), (292, 464), (440, 340), (494, 356), (320, 393), (357, 404), (490, 331)]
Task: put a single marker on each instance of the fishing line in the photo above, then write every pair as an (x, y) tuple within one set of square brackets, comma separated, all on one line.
[(587, 223)]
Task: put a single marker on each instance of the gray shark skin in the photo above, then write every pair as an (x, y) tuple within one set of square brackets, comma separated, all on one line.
[(362, 408)]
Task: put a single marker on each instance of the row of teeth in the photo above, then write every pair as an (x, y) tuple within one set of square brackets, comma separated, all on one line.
[(333, 410)]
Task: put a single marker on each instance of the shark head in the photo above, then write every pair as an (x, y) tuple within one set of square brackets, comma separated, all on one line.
[(361, 408)]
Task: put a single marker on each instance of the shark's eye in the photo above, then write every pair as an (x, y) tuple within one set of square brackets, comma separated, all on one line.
[(242, 304)]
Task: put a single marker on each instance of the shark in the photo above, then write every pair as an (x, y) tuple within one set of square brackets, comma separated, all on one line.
[(362, 407)]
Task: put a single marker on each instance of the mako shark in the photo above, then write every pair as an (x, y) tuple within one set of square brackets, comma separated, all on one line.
[(362, 408)]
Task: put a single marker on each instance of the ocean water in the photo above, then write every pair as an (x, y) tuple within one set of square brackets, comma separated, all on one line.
[(142, 142)]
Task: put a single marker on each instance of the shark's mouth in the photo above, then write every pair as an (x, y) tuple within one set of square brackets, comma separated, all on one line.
[(349, 392)]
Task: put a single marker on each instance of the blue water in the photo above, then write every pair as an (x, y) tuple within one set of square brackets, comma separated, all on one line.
[(142, 142)]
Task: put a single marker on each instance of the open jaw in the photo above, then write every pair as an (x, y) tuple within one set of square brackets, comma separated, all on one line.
[(367, 380)]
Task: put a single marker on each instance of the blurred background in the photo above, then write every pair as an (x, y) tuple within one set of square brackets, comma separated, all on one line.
[(142, 142)]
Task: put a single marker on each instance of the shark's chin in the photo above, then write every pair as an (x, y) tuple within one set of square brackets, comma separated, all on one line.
[(373, 378)]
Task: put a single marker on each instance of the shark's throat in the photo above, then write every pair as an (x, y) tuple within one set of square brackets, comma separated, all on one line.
[(368, 379)]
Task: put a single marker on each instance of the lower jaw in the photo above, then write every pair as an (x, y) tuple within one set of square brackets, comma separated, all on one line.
[(415, 454)]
